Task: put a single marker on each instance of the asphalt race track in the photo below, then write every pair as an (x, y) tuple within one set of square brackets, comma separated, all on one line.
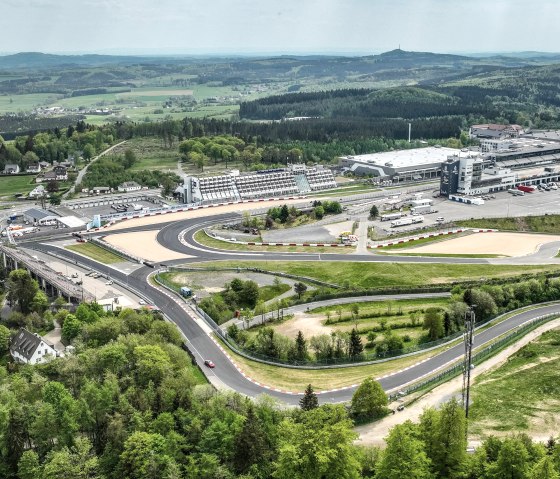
[(204, 348)]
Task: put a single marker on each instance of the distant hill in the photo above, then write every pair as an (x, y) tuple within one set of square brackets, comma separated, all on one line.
[(36, 60)]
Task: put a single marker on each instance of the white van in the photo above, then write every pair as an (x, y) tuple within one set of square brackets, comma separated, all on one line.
[(440, 219)]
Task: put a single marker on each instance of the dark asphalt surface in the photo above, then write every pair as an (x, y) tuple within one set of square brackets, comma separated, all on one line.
[(205, 348)]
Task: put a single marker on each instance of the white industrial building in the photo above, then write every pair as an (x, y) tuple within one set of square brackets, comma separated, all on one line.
[(414, 164)]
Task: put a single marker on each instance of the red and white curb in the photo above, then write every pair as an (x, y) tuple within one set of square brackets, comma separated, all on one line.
[(432, 235)]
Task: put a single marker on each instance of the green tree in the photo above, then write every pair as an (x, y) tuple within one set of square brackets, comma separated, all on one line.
[(512, 461), (249, 294), (355, 346), (40, 302), (250, 443), (144, 457), (373, 212), (21, 289), (129, 158), (4, 339), (404, 455), (320, 446), (300, 288), (55, 200), (309, 399), (319, 212), (284, 213), (88, 152), (451, 441), (29, 466), (77, 462), (369, 401), (71, 328), (433, 322), (544, 469)]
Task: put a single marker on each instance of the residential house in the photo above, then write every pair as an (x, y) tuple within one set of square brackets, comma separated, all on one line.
[(61, 173), (11, 169), (129, 186), (44, 165), (97, 190), (37, 192), (33, 168), (30, 348)]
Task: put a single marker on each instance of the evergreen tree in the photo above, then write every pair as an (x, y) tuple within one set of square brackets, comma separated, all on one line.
[(544, 469), (301, 347), (284, 213), (250, 443), (355, 347), (309, 400)]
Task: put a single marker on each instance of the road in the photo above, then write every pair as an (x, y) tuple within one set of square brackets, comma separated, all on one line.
[(83, 171)]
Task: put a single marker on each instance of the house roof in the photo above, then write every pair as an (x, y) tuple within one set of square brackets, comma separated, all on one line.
[(38, 214), (127, 184), (11, 167), (25, 343)]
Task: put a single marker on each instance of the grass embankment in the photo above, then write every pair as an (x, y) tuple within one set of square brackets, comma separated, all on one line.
[(205, 240), (418, 242), (150, 154), (445, 255), (379, 275), (521, 395), (96, 253), (323, 379), (532, 224)]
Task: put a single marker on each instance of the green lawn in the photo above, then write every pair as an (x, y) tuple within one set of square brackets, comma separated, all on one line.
[(96, 253), (151, 154), (521, 395), (10, 185), (266, 293), (375, 275)]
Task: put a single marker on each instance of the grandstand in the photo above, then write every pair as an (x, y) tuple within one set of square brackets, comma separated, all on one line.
[(294, 180)]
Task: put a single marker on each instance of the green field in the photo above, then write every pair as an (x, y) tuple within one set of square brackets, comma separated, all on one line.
[(376, 275), (419, 242), (96, 253), (10, 185), (521, 395)]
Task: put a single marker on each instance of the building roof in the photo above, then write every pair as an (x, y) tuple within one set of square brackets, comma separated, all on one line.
[(26, 343), (71, 221), (415, 157), (11, 167), (38, 213)]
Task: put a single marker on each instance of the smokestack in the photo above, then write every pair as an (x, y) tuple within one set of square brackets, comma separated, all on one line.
[(409, 129)]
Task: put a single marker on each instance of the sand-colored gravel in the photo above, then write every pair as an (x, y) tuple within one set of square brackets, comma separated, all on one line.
[(507, 244), (308, 324), (200, 213), (143, 244), (336, 229)]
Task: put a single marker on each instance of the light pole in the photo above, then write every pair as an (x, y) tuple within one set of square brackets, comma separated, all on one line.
[(468, 341)]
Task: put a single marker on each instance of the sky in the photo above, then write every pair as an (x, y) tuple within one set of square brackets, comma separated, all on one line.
[(277, 26)]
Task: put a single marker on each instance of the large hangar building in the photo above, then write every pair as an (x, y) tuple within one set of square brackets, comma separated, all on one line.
[(415, 164)]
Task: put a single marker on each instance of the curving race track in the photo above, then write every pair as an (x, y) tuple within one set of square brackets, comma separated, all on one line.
[(178, 236)]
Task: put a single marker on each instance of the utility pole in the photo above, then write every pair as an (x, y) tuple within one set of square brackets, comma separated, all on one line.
[(468, 341)]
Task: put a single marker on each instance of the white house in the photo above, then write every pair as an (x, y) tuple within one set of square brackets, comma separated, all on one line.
[(30, 348), (11, 169), (37, 192), (129, 186), (33, 168)]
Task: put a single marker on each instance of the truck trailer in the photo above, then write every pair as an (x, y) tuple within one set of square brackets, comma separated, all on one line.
[(526, 188), (407, 221)]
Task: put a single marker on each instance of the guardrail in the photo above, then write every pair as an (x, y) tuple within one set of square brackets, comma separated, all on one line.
[(477, 357), (372, 358)]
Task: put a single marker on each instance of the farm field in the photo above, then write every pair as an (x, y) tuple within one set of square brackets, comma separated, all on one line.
[(522, 395), (378, 275)]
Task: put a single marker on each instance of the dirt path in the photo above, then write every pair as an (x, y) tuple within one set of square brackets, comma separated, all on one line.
[(376, 432)]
